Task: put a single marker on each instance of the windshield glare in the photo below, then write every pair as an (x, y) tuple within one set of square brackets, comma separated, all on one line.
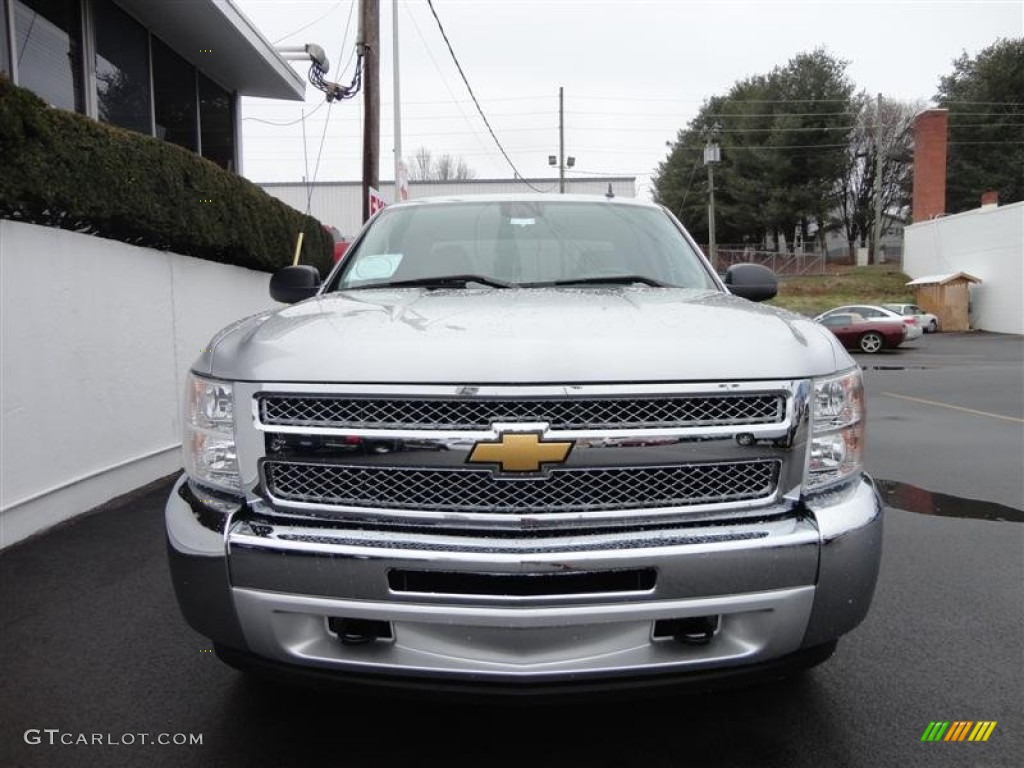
[(524, 243)]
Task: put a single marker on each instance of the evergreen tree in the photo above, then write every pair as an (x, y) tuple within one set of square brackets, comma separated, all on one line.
[(985, 99), (783, 139)]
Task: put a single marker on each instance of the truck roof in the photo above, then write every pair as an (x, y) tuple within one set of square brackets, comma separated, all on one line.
[(529, 197)]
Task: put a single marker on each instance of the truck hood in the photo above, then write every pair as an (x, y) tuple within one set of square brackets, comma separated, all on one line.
[(541, 335)]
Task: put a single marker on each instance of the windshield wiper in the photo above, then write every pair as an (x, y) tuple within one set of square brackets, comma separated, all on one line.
[(602, 280), (445, 281)]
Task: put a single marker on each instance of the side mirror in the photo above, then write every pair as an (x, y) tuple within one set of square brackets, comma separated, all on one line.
[(292, 284), (752, 281)]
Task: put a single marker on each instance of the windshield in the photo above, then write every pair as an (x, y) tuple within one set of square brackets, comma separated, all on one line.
[(524, 243), (899, 309)]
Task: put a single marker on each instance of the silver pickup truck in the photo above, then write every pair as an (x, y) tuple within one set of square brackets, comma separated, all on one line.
[(524, 444)]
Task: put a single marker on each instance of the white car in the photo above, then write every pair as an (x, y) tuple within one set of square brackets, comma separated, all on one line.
[(869, 312), (928, 322)]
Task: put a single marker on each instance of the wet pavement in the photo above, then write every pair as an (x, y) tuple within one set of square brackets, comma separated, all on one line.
[(924, 502), (91, 641)]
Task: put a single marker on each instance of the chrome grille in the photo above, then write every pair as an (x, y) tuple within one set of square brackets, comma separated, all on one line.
[(562, 490), (480, 413)]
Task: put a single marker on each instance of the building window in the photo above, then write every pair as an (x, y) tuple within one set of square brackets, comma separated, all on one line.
[(122, 69), (217, 123), (174, 97), (48, 47)]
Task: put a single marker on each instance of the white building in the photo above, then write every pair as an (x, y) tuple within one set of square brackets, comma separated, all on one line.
[(339, 203), (987, 243), (174, 70)]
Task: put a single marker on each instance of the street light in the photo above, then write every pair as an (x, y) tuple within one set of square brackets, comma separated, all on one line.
[(712, 155)]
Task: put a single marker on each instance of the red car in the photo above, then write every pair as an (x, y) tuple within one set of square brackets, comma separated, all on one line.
[(868, 336)]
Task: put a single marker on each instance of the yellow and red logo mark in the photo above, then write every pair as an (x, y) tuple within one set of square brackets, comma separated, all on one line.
[(958, 730)]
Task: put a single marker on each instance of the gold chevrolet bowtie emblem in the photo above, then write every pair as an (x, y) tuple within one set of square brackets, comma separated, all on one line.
[(522, 452)]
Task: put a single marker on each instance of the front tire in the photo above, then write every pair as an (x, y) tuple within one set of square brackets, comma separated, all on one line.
[(871, 343), (933, 327)]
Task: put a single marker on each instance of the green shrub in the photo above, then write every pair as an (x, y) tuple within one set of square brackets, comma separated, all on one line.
[(62, 169)]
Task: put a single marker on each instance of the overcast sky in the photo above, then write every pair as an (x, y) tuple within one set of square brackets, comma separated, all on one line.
[(634, 72)]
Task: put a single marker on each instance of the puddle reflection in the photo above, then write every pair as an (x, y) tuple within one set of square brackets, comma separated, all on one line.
[(913, 499)]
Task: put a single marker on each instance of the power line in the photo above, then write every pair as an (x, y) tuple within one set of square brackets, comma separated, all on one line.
[(725, 115), (985, 125), (669, 117), (608, 173), (547, 129), (722, 130), (330, 103), (961, 143), (718, 115), (477, 103), (675, 127), (444, 81), (693, 172), (319, 154), (344, 37), (789, 130), (656, 129), (723, 98), (493, 98), (758, 148), (290, 122), (331, 10), (728, 100)]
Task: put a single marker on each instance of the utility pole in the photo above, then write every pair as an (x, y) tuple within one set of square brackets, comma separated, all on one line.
[(712, 155), (561, 160), (712, 245), (369, 43), (877, 234), (398, 102), (561, 143)]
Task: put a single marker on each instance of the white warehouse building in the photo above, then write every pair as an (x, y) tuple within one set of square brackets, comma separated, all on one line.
[(986, 243), (339, 203)]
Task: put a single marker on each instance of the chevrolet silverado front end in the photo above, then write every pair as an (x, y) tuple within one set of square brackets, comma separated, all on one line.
[(525, 479)]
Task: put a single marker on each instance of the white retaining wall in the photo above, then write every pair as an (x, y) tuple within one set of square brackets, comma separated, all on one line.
[(987, 243), (96, 339)]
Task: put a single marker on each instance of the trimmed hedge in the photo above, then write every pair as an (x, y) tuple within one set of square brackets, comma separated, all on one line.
[(62, 169)]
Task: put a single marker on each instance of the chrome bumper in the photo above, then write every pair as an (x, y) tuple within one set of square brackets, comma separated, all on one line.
[(795, 580)]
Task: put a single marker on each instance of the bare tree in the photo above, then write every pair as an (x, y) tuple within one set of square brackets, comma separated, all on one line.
[(425, 167), (890, 134), (421, 164)]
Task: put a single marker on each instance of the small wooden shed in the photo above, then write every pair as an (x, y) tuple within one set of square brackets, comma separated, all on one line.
[(946, 296)]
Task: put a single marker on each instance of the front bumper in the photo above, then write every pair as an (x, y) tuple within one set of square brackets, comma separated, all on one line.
[(794, 580)]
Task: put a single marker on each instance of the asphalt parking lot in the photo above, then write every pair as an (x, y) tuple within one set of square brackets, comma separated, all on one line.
[(92, 642)]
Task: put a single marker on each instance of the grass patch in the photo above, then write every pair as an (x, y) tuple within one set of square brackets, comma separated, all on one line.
[(813, 294)]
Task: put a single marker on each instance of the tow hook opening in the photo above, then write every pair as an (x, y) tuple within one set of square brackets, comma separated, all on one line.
[(693, 630), (359, 631)]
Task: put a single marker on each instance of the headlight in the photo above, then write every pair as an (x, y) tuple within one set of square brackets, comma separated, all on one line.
[(209, 438), (837, 431)]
